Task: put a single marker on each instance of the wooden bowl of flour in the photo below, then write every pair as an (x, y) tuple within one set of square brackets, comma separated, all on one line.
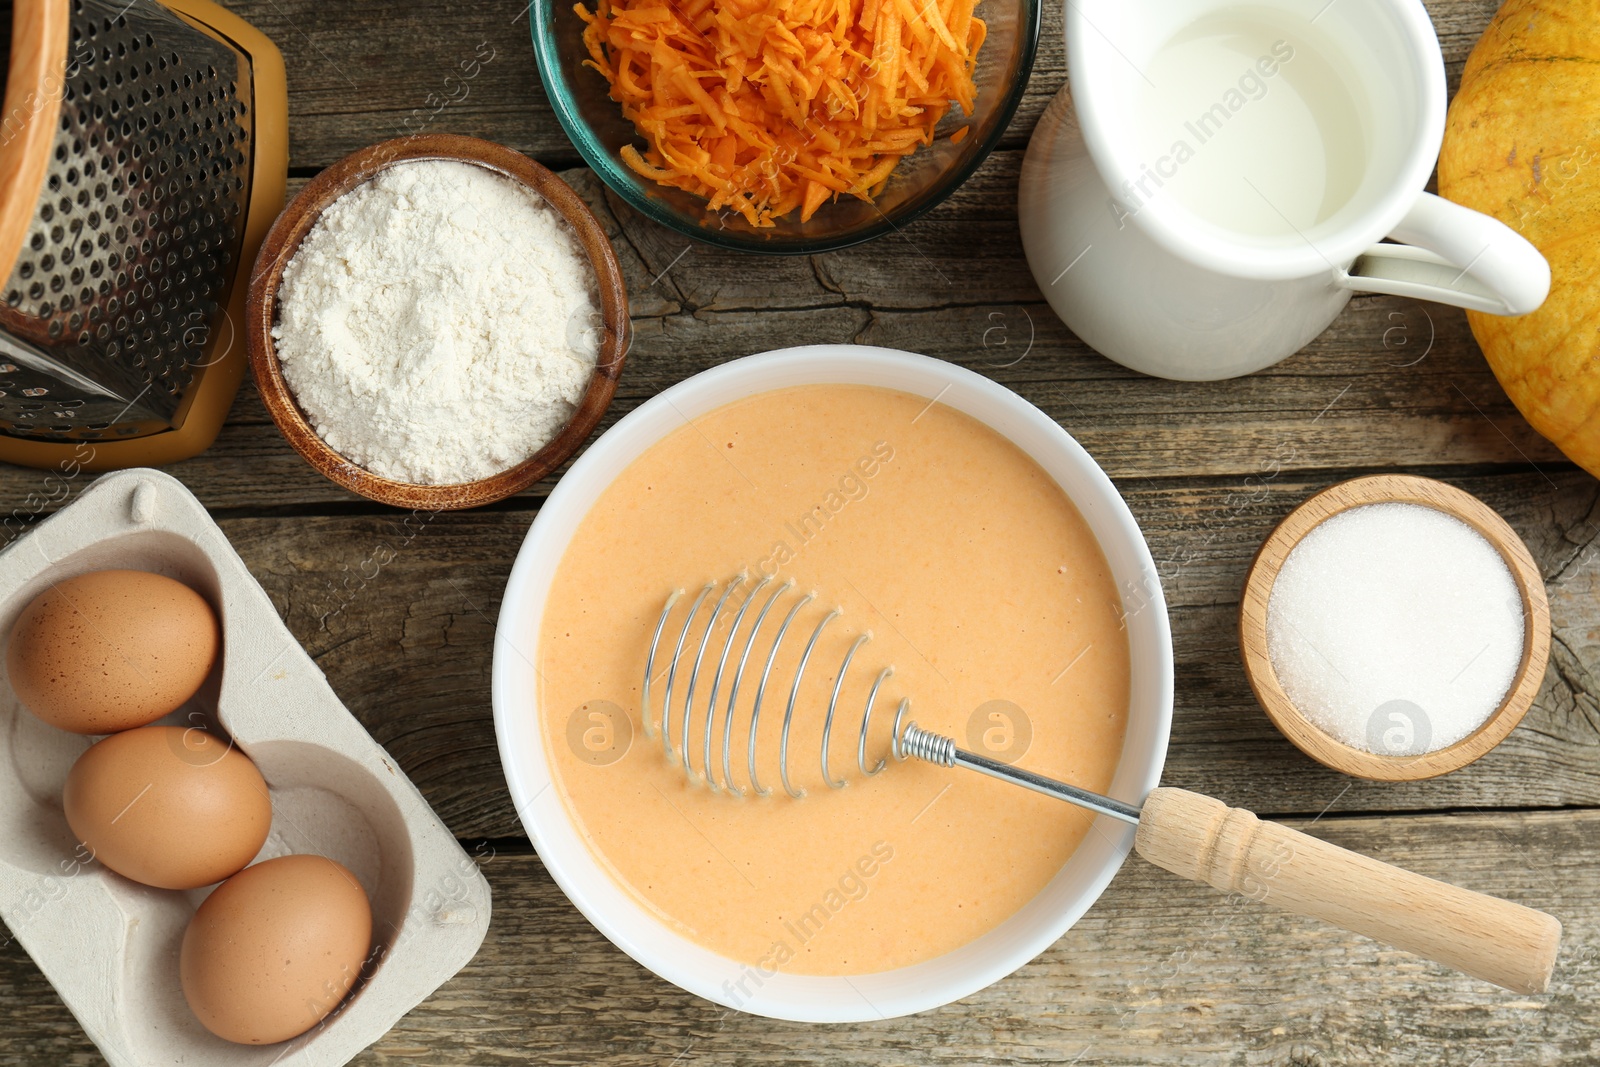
[(297, 220)]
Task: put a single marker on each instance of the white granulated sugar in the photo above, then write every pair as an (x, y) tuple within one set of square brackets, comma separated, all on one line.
[(1395, 628), (436, 324)]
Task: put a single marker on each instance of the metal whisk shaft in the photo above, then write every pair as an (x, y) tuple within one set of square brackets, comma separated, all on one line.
[(936, 748)]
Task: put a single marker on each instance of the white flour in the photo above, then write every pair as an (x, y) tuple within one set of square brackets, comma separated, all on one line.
[(437, 323)]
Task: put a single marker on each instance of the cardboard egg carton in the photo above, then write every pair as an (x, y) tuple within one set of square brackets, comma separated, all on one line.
[(109, 945)]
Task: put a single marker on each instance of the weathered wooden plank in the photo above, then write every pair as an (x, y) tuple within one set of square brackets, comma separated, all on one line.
[(356, 76), (400, 614), (1394, 383), (1159, 972)]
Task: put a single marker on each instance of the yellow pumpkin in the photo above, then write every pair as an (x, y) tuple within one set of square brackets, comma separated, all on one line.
[(1522, 143)]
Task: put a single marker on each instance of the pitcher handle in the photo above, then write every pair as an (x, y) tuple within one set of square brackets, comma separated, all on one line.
[(1454, 255)]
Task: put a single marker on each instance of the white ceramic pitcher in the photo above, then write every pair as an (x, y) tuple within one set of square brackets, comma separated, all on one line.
[(1214, 184)]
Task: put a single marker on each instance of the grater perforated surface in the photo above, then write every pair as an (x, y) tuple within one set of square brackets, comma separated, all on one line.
[(105, 319)]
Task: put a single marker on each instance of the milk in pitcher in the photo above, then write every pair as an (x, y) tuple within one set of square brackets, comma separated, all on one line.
[(1250, 121)]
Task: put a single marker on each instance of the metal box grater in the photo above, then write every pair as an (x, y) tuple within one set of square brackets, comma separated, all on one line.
[(143, 153)]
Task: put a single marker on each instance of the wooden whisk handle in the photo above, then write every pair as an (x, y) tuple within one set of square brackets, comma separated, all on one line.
[(1204, 840)]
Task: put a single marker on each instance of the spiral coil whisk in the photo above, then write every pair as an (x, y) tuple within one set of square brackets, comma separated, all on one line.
[(748, 655), (688, 667)]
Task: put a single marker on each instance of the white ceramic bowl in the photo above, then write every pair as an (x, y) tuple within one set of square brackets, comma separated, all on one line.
[(860, 997)]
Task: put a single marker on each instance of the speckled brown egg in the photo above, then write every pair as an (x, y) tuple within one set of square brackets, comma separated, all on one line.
[(171, 807), (111, 650), (275, 949)]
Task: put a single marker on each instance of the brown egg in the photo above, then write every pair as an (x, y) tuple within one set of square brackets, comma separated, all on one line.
[(167, 806), (111, 650), (275, 949)]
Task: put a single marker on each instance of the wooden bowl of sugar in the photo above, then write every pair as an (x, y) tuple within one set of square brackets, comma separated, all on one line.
[(436, 322), (1394, 627)]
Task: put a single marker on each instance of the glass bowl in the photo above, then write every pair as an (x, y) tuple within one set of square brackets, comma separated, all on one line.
[(594, 122)]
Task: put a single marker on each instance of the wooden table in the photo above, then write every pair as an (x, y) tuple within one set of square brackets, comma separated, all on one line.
[(1159, 971)]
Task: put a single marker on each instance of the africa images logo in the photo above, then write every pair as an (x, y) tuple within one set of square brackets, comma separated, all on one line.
[(1252, 85)]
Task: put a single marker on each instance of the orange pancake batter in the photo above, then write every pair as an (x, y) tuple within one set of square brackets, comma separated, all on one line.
[(979, 582)]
